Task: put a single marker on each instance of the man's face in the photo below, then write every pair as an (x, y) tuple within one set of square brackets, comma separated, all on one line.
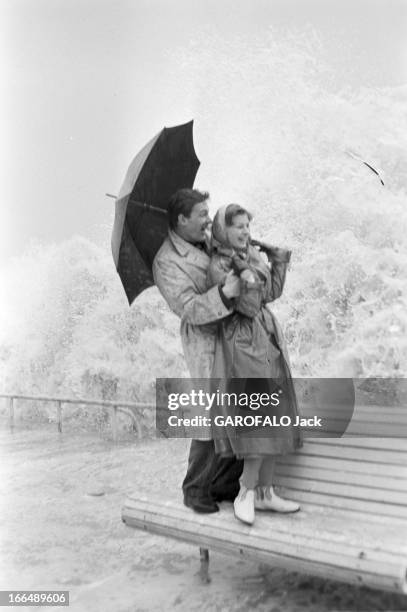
[(193, 228)]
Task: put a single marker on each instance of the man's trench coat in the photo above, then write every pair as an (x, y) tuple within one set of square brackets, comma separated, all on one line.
[(180, 273)]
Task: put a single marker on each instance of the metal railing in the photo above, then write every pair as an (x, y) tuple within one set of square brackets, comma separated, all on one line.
[(115, 406)]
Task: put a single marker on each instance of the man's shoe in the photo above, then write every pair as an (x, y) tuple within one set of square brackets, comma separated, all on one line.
[(228, 496), (244, 506), (266, 499), (203, 505)]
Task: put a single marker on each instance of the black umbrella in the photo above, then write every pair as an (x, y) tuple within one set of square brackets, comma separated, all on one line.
[(167, 163)]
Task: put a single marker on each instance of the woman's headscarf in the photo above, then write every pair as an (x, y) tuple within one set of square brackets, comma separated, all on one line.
[(219, 238)]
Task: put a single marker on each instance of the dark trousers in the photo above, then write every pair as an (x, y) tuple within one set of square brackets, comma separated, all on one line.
[(210, 475)]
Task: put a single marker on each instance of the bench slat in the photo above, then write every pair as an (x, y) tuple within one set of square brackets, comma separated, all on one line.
[(280, 542), (313, 525), (365, 428), (399, 411), (352, 466), (344, 503), (340, 476), (376, 413), (345, 490), (380, 426), (290, 549), (386, 457), (390, 444), (380, 417)]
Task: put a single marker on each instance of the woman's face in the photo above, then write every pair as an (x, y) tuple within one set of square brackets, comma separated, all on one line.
[(238, 233)]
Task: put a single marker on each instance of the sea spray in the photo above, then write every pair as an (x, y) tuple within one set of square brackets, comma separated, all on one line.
[(276, 132), (70, 332)]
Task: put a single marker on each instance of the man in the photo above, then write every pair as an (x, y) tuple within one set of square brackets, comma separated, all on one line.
[(180, 269)]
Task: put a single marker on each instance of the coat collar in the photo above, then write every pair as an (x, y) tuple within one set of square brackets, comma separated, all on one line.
[(182, 246)]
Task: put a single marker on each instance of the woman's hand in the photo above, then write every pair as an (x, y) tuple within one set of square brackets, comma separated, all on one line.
[(231, 288), (248, 276)]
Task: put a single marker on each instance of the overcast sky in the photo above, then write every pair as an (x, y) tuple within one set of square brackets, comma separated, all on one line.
[(85, 83)]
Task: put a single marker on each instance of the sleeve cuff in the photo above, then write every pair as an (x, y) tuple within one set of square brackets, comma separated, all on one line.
[(281, 255), (228, 303)]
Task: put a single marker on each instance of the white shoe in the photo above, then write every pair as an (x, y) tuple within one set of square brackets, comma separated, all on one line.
[(244, 505), (266, 499)]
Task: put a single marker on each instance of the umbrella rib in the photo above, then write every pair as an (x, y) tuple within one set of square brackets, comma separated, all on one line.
[(148, 206)]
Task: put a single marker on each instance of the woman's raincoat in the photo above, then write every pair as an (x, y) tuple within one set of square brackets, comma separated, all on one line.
[(250, 353)]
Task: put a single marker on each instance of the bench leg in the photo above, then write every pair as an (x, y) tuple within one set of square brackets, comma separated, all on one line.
[(204, 569)]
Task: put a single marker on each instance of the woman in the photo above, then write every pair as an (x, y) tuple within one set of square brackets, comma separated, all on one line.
[(250, 357)]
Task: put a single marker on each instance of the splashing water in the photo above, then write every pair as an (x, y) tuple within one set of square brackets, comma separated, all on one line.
[(283, 138), (276, 133)]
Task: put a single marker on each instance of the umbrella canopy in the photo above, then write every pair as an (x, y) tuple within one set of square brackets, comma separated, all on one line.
[(167, 163)]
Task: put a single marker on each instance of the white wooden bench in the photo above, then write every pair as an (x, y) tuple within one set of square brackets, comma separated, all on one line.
[(352, 526)]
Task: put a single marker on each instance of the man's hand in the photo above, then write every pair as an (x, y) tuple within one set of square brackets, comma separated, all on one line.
[(231, 288)]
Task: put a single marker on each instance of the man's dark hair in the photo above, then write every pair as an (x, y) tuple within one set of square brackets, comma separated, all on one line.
[(182, 203)]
